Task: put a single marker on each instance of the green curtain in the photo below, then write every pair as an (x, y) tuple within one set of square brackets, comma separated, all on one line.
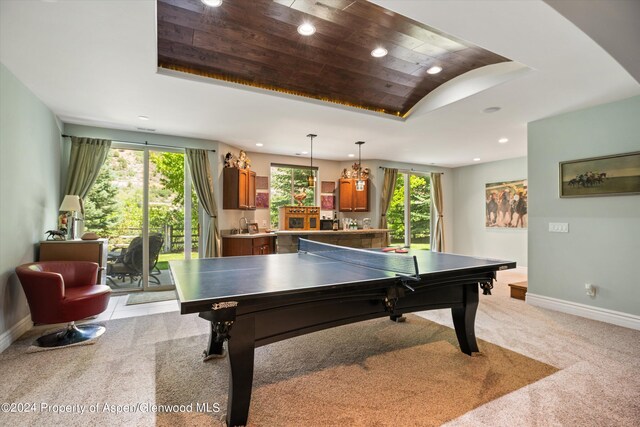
[(388, 185), (203, 184), (437, 227), (87, 157)]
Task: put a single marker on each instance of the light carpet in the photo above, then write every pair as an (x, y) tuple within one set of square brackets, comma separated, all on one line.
[(150, 296), (369, 373), (597, 384)]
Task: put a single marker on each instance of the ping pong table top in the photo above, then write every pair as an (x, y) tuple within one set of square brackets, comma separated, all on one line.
[(212, 280)]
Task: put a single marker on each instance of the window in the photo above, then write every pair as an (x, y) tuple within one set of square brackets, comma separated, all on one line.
[(409, 217), (286, 182)]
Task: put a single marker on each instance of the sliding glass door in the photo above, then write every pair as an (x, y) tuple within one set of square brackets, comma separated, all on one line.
[(139, 204), (409, 217)]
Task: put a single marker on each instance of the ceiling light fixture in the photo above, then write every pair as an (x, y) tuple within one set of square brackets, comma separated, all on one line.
[(143, 117), (306, 29), (212, 3), (379, 52), (351, 155), (311, 179), (360, 181), (259, 144), (503, 140), (477, 159), (434, 70), (489, 110)]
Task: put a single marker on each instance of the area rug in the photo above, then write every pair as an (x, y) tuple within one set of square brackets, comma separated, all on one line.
[(150, 296), (375, 373)]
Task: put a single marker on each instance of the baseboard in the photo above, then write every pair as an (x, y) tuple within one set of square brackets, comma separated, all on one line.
[(595, 313), (15, 332)]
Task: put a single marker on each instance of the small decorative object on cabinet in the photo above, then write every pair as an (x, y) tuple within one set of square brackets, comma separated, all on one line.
[(239, 189), (351, 200), (77, 250)]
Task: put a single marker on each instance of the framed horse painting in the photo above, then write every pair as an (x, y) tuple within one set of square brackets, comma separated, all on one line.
[(613, 175), (506, 204)]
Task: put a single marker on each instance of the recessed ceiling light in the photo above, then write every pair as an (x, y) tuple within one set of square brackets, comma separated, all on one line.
[(212, 3), (259, 144), (434, 70), (477, 159), (491, 109), (304, 152), (306, 29), (351, 155), (379, 52), (503, 140), (143, 117)]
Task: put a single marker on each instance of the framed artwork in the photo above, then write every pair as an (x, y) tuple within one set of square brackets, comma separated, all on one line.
[(262, 182), (506, 204), (327, 186), (252, 227), (327, 202), (613, 175), (262, 200)]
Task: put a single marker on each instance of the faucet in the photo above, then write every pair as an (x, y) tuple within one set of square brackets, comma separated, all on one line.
[(240, 224)]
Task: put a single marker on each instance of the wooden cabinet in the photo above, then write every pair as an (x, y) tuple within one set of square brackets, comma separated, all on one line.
[(77, 250), (239, 189), (238, 246), (351, 200)]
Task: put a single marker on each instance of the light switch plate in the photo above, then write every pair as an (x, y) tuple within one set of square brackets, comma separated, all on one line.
[(558, 227)]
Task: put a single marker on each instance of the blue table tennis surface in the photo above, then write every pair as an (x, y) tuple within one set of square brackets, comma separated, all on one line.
[(218, 279)]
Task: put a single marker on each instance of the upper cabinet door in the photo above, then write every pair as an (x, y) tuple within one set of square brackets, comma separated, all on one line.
[(243, 184), (251, 190), (361, 198), (346, 195)]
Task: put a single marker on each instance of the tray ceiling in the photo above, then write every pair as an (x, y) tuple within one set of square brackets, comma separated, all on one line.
[(256, 43)]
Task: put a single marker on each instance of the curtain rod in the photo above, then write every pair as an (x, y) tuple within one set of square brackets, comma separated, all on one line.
[(146, 143), (409, 170)]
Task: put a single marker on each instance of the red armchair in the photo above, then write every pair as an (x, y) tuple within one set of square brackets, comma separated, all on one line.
[(64, 291)]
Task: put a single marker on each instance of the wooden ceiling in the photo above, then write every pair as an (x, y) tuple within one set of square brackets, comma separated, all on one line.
[(256, 43)]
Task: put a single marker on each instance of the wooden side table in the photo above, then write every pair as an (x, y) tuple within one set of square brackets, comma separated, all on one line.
[(77, 250)]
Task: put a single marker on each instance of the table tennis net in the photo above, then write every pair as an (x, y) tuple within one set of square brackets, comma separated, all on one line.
[(404, 264)]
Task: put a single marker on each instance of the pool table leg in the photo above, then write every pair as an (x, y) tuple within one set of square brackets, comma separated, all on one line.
[(464, 319), (241, 345)]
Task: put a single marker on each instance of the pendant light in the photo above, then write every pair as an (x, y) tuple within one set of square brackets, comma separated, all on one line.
[(311, 179), (360, 182)]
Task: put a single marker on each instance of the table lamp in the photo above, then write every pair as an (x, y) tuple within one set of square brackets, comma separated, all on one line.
[(71, 203)]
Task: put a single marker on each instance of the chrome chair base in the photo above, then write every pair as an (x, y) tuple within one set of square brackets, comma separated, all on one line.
[(72, 335)]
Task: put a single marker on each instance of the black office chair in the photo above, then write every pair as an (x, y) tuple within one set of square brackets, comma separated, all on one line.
[(128, 263)]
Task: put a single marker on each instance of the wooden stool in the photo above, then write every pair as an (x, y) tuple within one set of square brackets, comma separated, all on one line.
[(518, 290)]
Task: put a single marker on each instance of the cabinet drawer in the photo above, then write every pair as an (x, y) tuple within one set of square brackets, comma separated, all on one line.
[(261, 241)]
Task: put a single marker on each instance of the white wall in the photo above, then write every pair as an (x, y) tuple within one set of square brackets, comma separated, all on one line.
[(30, 160), (603, 243), (471, 237)]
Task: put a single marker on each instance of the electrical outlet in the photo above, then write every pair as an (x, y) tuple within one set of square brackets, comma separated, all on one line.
[(558, 227), (264, 223), (590, 289)]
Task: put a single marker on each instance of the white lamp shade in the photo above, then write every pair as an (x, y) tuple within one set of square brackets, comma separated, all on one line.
[(70, 203)]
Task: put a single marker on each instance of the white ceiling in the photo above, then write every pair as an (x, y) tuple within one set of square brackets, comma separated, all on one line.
[(94, 63)]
